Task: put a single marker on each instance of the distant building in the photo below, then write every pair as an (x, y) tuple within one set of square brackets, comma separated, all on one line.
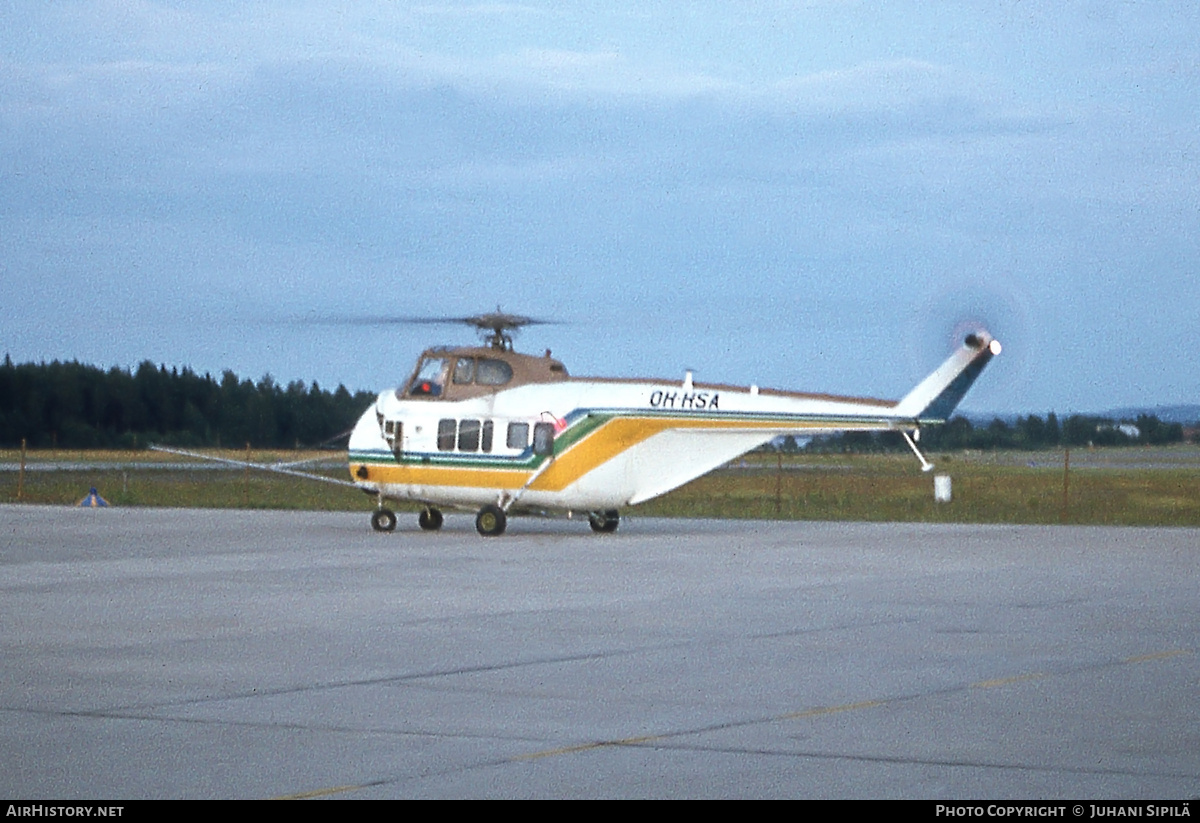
[(1126, 429)]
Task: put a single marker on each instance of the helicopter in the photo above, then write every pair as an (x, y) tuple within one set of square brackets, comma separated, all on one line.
[(491, 430)]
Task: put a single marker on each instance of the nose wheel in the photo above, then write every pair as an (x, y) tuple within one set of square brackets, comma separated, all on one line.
[(383, 520)]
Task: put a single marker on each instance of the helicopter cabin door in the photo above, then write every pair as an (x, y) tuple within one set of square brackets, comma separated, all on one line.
[(393, 433)]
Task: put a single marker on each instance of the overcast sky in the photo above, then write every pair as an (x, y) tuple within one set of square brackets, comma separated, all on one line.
[(809, 195)]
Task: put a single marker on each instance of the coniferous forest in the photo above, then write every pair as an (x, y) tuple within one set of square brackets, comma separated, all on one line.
[(72, 405)]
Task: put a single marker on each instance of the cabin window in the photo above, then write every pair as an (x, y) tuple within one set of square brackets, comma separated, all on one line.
[(488, 427), (468, 436), (446, 429), (490, 372), (518, 436), (428, 382), (464, 370), (543, 438)]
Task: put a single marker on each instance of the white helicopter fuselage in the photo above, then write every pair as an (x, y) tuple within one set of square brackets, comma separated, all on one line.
[(479, 427)]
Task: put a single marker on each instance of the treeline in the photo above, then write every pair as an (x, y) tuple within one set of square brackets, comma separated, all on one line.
[(1032, 432), (71, 405), (1035, 433)]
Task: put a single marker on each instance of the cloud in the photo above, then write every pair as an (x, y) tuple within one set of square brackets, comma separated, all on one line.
[(889, 85), (602, 72), (643, 162), (479, 10)]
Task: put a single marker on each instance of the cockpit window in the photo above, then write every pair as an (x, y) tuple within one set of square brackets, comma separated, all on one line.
[(464, 370), (429, 379), (492, 372)]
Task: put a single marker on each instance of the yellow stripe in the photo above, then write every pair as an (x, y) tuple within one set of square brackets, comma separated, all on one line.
[(318, 793), (1004, 681), (1144, 658), (463, 476), (848, 707), (650, 738), (585, 747), (609, 440), (621, 434), (605, 443)]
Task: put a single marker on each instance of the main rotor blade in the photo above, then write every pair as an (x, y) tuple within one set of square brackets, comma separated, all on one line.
[(492, 321), (369, 320)]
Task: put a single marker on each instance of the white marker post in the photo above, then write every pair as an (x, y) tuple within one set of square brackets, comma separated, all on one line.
[(941, 488)]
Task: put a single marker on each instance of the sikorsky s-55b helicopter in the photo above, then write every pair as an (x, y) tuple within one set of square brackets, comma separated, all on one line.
[(501, 433)]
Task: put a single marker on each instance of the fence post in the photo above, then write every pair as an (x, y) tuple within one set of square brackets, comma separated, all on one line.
[(1066, 484), (21, 474)]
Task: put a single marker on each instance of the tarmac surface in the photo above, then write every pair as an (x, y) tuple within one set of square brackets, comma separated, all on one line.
[(191, 653)]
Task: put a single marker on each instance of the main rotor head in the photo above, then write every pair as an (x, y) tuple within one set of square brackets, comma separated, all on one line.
[(494, 326)]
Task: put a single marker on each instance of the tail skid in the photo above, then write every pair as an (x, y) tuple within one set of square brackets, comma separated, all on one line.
[(936, 397)]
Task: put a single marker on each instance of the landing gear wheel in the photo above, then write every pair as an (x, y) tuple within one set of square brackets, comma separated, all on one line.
[(490, 521), (604, 522), (430, 519), (383, 520)]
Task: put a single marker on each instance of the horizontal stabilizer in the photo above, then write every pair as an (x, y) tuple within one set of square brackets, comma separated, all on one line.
[(936, 397)]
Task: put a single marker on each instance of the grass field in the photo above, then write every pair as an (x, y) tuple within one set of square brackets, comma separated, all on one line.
[(986, 489), (1134, 486)]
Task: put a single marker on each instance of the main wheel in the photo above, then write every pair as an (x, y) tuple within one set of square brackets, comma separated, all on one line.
[(430, 519), (604, 522), (383, 520), (490, 521)]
